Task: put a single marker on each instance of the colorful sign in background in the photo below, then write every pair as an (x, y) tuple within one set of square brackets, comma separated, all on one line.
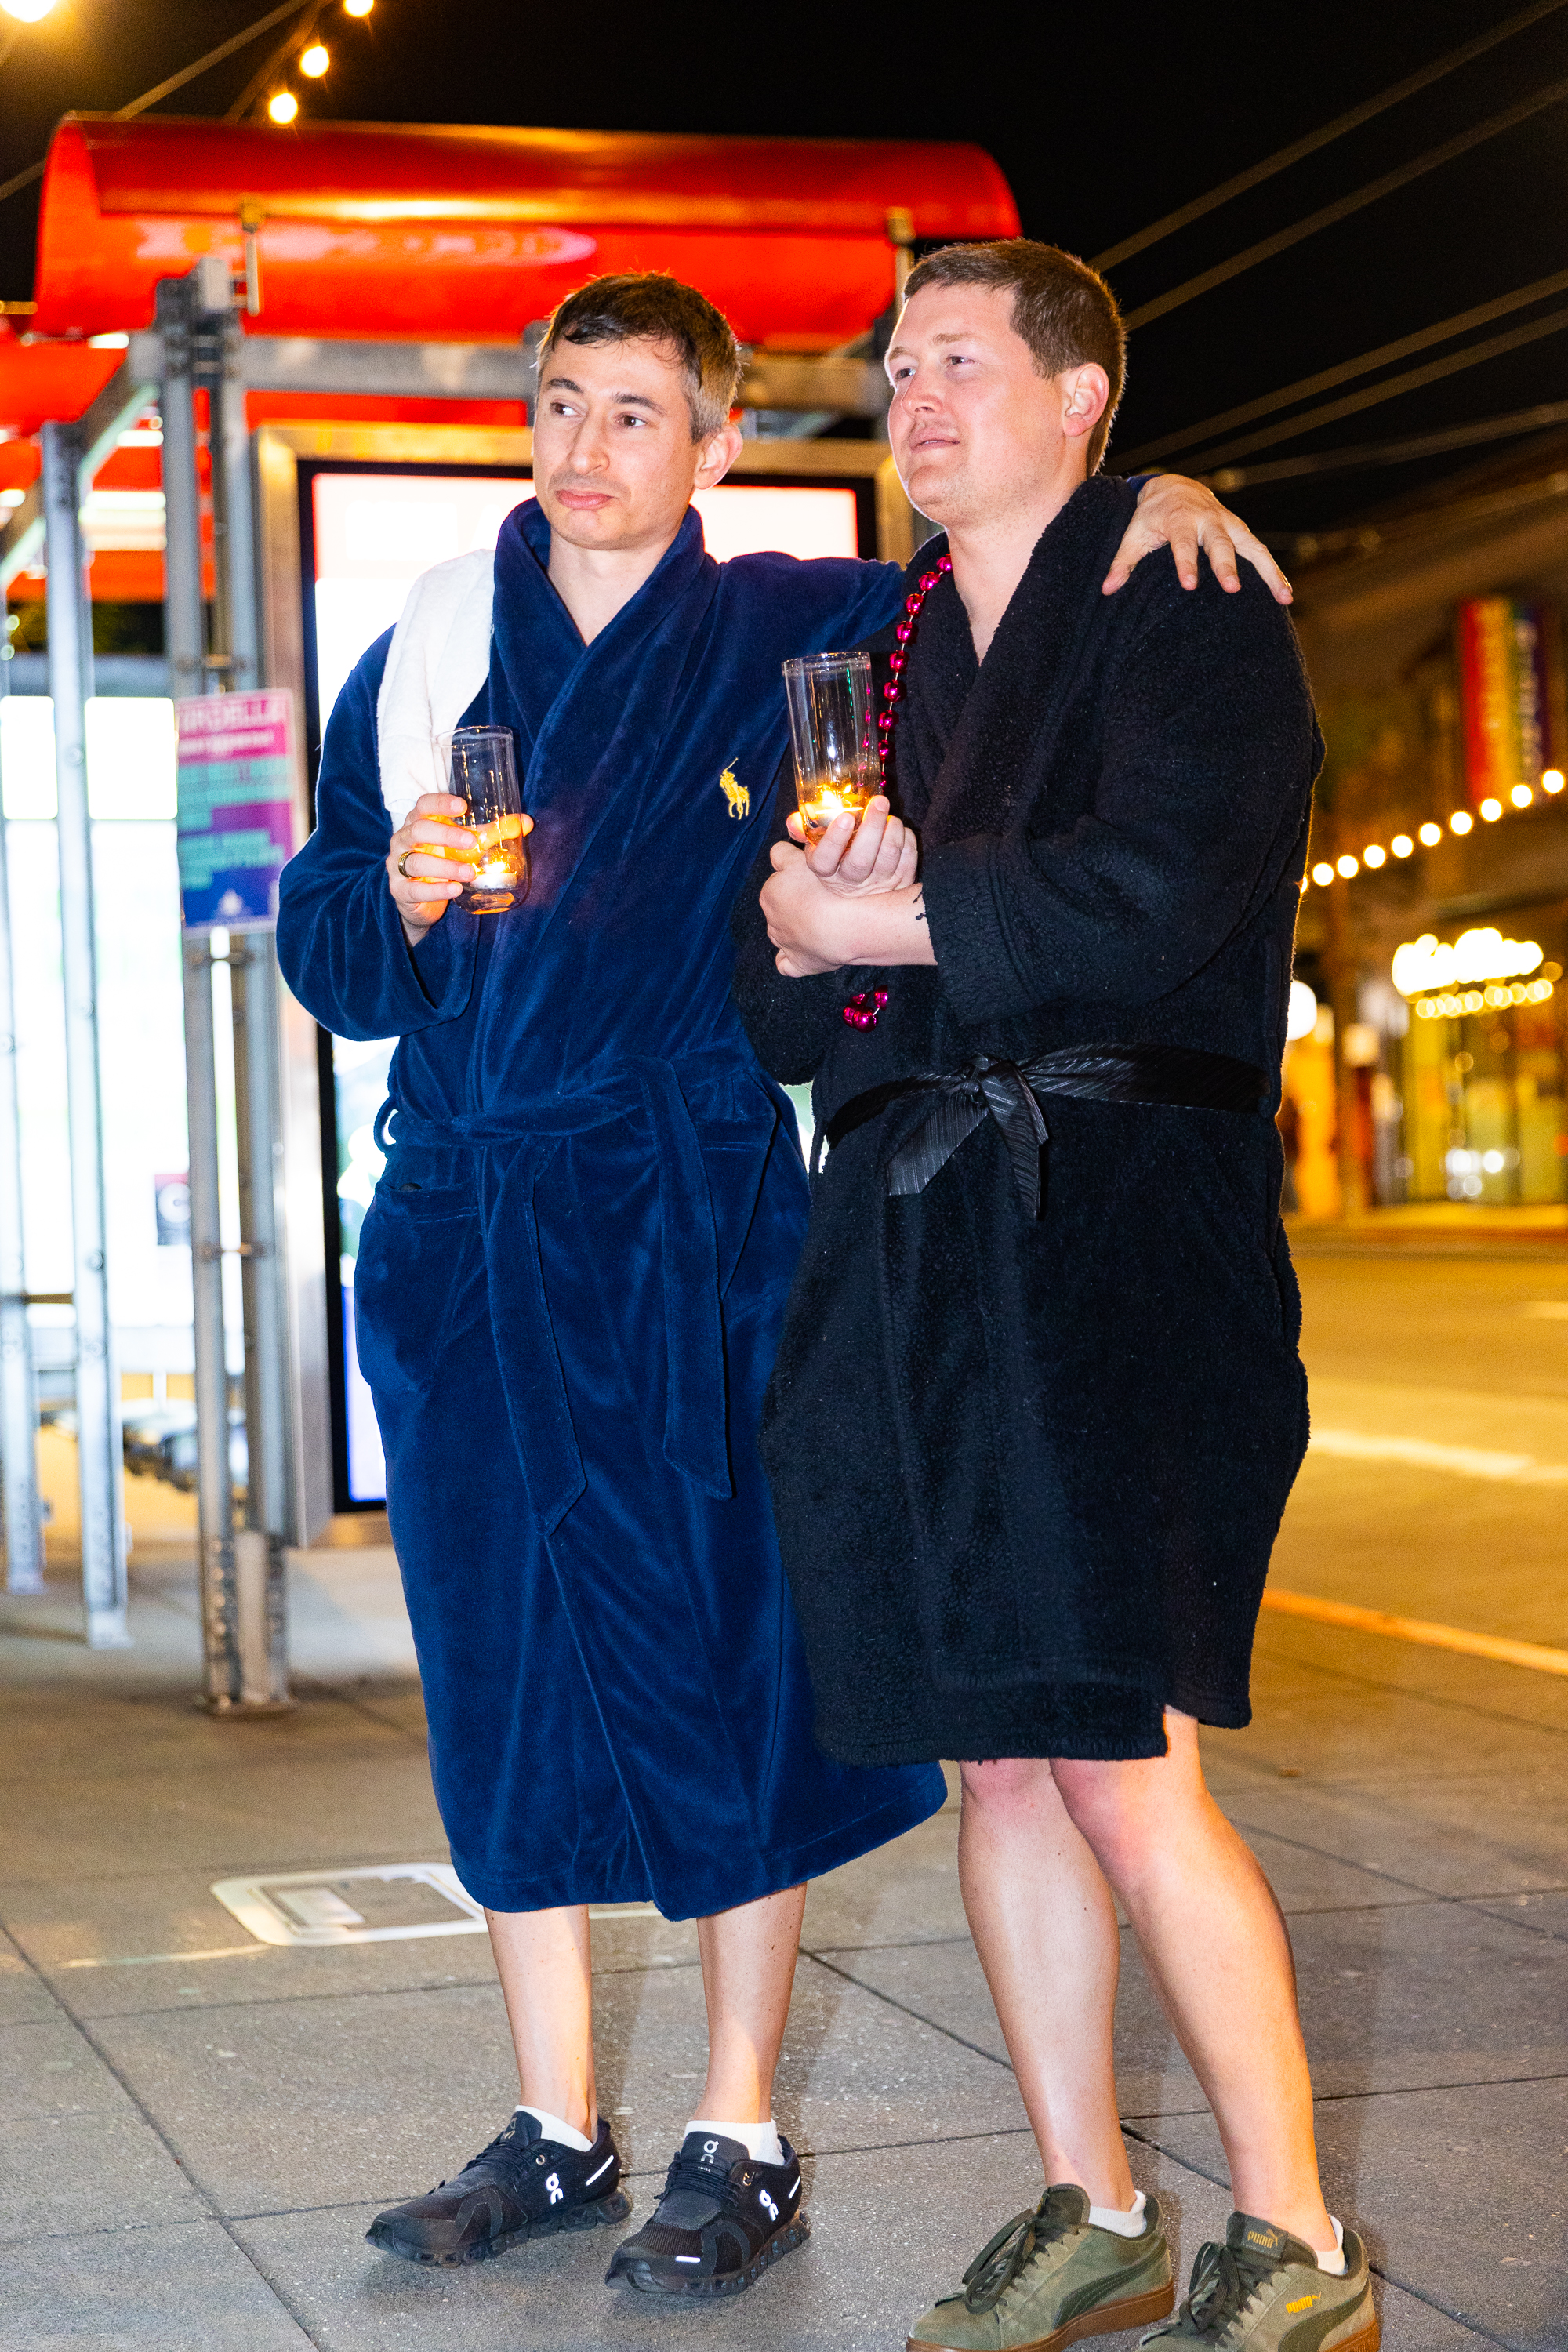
[(1510, 694), (236, 806)]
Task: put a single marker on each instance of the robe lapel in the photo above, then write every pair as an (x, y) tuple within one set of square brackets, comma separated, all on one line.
[(594, 716), (1005, 738)]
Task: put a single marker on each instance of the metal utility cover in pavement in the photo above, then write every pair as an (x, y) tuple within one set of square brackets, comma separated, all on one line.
[(377, 1904), (373, 1906)]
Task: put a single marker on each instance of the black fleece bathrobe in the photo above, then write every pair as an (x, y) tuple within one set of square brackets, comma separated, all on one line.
[(1028, 1469)]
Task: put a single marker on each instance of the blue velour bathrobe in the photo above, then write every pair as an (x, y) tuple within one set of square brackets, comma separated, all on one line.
[(571, 1280)]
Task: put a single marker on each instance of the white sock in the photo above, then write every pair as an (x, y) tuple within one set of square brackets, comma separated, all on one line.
[(761, 2141), (554, 2127), (1130, 2225), (1334, 2261)]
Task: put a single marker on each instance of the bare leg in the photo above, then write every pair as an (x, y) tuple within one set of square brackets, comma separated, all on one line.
[(1217, 1949), (542, 1958), (1045, 1928), (748, 1970)]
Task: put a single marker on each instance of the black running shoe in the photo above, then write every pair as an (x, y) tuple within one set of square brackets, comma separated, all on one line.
[(521, 2186), (724, 2218)]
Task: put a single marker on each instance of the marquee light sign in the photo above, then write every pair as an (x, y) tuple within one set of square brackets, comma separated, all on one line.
[(1428, 964)]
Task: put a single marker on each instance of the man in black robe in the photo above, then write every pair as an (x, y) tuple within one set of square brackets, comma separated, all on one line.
[(1038, 1404)]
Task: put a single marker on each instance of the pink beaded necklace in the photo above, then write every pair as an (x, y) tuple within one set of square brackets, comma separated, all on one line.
[(904, 632), (861, 1010)]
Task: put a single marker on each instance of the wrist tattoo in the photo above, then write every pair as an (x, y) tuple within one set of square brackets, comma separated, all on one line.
[(921, 904)]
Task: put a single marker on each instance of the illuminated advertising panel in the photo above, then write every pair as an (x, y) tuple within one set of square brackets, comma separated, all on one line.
[(1510, 694), (367, 533)]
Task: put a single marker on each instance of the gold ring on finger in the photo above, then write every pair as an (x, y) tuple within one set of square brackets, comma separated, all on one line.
[(403, 864)]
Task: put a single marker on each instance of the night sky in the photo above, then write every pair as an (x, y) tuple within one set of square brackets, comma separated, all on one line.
[(1103, 121)]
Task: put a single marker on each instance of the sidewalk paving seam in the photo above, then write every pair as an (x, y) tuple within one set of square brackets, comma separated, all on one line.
[(185, 2170), (904, 2008), (1427, 1894), (1411, 1691)]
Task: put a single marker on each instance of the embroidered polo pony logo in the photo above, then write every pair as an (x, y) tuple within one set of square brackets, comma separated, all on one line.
[(738, 795)]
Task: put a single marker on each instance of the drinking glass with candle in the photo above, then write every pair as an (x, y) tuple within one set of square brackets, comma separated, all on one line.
[(833, 732), (482, 764)]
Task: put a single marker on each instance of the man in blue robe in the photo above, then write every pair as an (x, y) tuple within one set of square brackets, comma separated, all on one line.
[(569, 1281)]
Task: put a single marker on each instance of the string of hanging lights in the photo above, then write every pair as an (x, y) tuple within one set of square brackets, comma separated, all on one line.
[(1345, 868), (313, 60)]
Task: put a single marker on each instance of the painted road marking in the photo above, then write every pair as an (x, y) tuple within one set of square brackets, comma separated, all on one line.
[(1537, 1655), (1426, 1453)]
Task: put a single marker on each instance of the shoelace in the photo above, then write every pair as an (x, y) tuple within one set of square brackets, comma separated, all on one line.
[(1223, 2282), (684, 2172), (1005, 2256), (503, 2149)]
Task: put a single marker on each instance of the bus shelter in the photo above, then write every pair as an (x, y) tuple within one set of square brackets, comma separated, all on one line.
[(270, 377)]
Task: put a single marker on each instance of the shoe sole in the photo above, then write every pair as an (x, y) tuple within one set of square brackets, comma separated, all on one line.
[(1105, 2319), (612, 2207), (640, 2275), (1369, 2340)]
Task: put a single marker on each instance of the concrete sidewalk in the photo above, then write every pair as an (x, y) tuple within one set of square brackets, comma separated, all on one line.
[(199, 2128)]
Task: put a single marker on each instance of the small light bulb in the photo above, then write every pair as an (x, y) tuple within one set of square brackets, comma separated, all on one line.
[(1431, 835), (1461, 821), (1373, 855), (1521, 796), (1347, 865), (314, 61), (282, 106), (1402, 845), (1491, 811), (28, 12), (358, 7), (1323, 876), (1551, 782)]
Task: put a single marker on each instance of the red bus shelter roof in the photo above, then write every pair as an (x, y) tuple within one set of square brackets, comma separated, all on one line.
[(469, 234)]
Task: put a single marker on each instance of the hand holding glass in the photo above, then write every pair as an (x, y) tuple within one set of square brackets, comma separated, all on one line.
[(482, 763), (836, 771)]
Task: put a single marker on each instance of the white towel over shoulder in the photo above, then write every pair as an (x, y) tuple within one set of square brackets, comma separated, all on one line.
[(438, 659)]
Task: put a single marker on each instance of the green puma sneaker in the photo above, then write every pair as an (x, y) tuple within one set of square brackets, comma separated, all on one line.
[(1262, 2291), (1049, 2279)]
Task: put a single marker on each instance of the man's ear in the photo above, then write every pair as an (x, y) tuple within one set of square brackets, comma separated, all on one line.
[(720, 452), (1086, 391)]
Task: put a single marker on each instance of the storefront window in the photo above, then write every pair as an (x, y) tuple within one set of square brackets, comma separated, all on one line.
[(1485, 1118)]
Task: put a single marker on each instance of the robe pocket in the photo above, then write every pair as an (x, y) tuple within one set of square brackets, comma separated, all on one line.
[(418, 1258), (1227, 1196)]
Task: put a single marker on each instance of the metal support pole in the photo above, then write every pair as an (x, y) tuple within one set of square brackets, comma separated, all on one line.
[(258, 1550), (184, 626), (100, 1468), (214, 1489), (18, 1387), (259, 1568)]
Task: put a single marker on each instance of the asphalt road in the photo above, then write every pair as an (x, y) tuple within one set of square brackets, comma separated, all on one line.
[(1436, 1484)]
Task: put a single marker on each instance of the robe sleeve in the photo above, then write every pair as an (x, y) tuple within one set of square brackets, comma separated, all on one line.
[(340, 942), (1210, 748), (789, 1021)]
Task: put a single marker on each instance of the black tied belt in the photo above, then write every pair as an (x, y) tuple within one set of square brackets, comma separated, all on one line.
[(1007, 1091)]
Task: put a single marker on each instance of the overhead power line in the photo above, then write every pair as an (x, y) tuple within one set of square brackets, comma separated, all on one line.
[(1325, 217), (213, 58), (1403, 348), (1411, 381), (1394, 453), (1314, 139), (25, 179)]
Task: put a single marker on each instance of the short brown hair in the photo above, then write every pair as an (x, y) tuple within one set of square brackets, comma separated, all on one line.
[(1063, 309), (652, 309)]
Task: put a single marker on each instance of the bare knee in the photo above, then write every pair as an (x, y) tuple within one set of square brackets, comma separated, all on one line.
[(1006, 1788), (1131, 1810)]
